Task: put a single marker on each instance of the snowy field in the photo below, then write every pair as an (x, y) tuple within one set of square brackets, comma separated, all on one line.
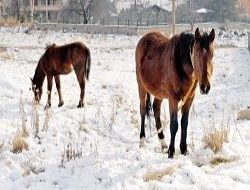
[(98, 147)]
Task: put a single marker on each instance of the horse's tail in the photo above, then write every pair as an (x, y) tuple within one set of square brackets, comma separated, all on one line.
[(87, 64), (148, 105)]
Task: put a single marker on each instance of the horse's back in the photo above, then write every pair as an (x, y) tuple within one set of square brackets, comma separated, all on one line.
[(150, 42), (62, 59)]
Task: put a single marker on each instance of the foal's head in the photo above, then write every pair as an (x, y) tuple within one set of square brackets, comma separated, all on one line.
[(36, 90), (203, 51)]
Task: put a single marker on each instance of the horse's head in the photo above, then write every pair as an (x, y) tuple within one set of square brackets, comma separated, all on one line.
[(36, 90), (203, 51)]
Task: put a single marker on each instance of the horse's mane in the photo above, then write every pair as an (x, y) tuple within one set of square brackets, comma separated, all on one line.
[(183, 49)]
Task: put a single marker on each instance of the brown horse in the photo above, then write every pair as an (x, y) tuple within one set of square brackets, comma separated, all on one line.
[(172, 68), (61, 60)]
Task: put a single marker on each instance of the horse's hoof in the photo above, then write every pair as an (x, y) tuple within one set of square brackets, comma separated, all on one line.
[(60, 104), (184, 152), (47, 106), (142, 143), (183, 149), (80, 106), (171, 153), (164, 146)]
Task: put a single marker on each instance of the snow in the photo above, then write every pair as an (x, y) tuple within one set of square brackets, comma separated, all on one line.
[(108, 138), (204, 10)]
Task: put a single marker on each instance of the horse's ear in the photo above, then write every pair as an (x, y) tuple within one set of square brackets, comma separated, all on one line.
[(212, 35), (197, 34)]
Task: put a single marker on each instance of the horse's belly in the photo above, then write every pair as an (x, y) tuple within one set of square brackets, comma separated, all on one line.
[(66, 69), (155, 87)]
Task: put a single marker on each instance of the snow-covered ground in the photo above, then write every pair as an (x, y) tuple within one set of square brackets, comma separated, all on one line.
[(106, 132)]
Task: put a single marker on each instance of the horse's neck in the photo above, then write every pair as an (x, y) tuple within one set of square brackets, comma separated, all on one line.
[(39, 76)]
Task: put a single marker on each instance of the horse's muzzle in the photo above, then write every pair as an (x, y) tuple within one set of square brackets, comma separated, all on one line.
[(204, 89)]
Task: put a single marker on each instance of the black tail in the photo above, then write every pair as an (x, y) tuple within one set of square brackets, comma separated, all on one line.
[(87, 64), (148, 105)]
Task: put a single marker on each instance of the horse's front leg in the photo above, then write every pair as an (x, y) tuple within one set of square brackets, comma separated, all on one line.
[(184, 123), (49, 89), (58, 87), (173, 109)]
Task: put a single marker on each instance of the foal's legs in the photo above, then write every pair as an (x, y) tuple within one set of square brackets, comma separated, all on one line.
[(81, 80), (157, 113), (49, 88), (184, 123), (58, 86), (142, 95), (173, 108)]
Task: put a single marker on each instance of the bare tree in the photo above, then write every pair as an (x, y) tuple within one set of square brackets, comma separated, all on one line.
[(82, 8), (15, 7)]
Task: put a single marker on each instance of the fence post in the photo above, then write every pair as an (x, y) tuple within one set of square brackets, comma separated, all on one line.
[(118, 22), (249, 41)]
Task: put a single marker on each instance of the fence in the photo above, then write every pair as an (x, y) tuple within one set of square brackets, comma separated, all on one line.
[(132, 30)]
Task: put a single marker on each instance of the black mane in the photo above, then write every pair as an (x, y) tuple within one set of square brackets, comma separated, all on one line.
[(183, 50)]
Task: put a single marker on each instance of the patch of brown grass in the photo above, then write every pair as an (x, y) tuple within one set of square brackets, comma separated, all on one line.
[(12, 22), (218, 159), (9, 22), (19, 143), (215, 137), (157, 175), (5, 55)]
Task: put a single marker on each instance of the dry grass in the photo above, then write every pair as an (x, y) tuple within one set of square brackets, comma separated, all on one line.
[(5, 55), (32, 166), (1, 146), (83, 124), (157, 175), (218, 159), (34, 119), (244, 114), (19, 143), (12, 22), (24, 132), (46, 120), (9, 22), (215, 137), (70, 152)]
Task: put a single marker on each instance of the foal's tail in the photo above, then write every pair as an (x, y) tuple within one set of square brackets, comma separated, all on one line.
[(148, 105), (87, 64)]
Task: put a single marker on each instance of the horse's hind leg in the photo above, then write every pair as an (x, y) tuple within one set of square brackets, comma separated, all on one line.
[(58, 87), (81, 80), (143, 96), (157, 113), (49, 88)]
